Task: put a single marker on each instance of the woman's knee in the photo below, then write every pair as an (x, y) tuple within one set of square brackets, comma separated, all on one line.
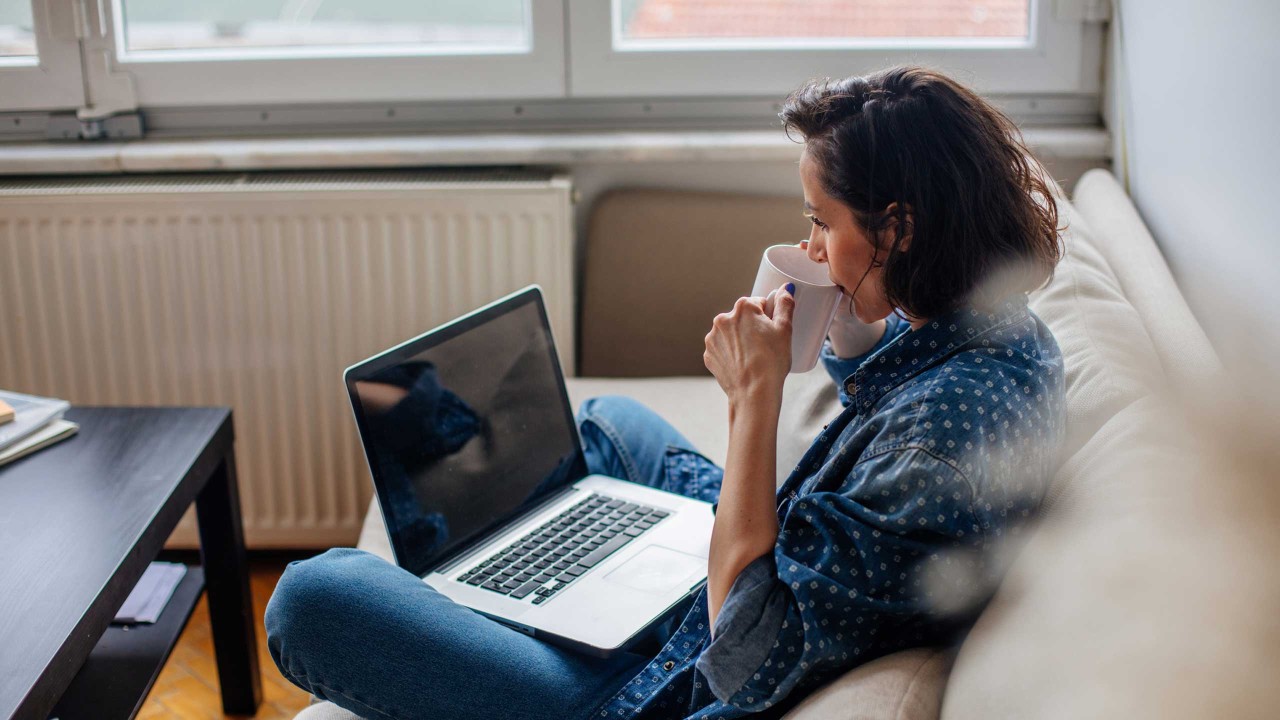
[(312, 597)]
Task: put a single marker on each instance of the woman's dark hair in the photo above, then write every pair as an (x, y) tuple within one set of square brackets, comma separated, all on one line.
[(982, 220)]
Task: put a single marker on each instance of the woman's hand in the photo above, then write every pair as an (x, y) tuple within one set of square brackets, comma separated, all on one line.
[(749, 347)]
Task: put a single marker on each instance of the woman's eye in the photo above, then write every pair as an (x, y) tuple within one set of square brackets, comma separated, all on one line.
[(817, 222)]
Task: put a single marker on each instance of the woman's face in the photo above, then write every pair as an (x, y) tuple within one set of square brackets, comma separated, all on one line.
[(836, 238)]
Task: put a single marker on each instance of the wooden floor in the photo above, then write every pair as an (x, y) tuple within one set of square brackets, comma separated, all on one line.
[(187, 688)]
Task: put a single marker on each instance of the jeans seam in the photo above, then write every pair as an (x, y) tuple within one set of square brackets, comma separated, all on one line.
[(615, 439), (697, 482), (691, 451)]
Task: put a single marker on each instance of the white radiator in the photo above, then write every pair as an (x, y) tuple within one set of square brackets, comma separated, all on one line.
[(256, 291)]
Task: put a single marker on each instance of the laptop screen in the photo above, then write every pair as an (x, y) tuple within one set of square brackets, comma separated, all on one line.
[(465, 426)]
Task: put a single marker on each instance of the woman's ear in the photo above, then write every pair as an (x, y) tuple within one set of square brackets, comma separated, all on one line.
[(896, 214)]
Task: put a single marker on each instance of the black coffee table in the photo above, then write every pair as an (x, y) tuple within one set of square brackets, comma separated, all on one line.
[(79, 522)]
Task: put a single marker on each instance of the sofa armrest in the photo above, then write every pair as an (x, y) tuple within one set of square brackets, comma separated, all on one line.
[(906, 685)]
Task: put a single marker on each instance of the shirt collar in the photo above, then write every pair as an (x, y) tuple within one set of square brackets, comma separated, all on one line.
[(916, 350)]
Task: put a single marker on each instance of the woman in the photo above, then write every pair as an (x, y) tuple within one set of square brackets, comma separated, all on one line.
[(935, 224)]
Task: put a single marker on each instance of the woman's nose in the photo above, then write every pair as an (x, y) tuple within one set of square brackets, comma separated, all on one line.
[(815, 251)]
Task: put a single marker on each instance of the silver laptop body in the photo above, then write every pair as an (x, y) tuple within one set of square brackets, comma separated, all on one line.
[(478, 468)]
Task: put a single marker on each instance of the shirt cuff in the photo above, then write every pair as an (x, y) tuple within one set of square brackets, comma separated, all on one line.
[(746, 628)]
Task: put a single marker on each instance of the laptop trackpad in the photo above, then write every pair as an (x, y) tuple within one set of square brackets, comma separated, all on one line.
[(658, 569)]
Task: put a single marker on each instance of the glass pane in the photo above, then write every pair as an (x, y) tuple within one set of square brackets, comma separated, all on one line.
[(784, 21), (302, 25), (17, 34)]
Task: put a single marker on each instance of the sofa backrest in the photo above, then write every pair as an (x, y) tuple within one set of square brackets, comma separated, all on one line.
[(660, 264), (1126, 336)]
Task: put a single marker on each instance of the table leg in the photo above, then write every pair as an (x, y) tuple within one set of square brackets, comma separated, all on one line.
[(226, 572)]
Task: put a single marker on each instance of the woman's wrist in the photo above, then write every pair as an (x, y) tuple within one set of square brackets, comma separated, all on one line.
[(759, 400)]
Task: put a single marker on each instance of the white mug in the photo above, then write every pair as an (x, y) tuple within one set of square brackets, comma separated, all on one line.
[(816, 299)]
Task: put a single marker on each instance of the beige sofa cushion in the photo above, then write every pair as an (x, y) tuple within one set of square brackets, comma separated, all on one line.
[(1110, 360), (1151, 592), (1143, 275), (903, 686), (1072, 616), (1010, 666)]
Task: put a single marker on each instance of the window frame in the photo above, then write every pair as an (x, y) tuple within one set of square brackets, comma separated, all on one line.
[(571, 79), (1051, 60), (52, 79), (178, 78)]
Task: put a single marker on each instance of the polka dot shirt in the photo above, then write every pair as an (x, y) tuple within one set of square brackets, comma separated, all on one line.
[(887, 526)]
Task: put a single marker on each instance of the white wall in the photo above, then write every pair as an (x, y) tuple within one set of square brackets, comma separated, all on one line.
[(1197, 91)]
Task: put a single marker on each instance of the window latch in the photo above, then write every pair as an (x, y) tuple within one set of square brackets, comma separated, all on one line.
[(68, 126)]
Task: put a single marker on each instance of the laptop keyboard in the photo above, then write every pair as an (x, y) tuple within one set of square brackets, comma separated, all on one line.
[(552, 556)]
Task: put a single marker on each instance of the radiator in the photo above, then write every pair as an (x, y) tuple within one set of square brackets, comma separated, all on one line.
[(255, 291)]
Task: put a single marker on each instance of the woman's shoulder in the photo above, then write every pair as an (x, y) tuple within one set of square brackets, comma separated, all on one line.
[(1002, 386)]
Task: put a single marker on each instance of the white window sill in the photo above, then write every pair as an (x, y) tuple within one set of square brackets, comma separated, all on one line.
[(149, 156)]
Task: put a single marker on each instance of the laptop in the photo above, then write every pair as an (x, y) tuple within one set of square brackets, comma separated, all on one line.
[(480, 476)]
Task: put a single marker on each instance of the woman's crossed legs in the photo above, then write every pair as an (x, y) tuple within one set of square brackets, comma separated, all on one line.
[(351, 628)]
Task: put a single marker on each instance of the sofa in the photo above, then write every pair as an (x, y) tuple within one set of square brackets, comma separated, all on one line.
[(1062, 634)]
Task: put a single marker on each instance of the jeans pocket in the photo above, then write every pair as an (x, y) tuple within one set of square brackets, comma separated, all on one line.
[(692, 474)]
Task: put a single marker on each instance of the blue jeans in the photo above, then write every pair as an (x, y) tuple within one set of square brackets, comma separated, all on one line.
[(351, 628)]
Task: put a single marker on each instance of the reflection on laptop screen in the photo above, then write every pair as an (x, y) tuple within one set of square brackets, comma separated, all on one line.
[(466, 430)]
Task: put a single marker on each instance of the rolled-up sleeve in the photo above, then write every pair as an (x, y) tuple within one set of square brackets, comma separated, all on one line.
[(745, 629), (841, 368), (843, 585)]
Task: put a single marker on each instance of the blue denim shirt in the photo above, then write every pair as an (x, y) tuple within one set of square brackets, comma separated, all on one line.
[(888, 524)]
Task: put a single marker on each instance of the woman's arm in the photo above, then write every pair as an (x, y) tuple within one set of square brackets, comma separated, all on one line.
[(746, 524), (749, 352), (847, 582)]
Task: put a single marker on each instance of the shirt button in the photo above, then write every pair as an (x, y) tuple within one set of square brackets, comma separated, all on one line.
[(851, 389), (668, 665)]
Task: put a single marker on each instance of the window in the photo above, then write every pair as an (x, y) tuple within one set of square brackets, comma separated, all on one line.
[(316, 28), (17, 31), (767, 47), (101, 57), (770, 24), (324, 51)]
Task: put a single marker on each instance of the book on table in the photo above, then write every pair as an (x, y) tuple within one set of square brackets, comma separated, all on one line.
[(37, 423)]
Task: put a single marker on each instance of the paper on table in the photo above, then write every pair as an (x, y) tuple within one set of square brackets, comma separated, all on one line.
[(30, 414), (42, 438), (151, 594)]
